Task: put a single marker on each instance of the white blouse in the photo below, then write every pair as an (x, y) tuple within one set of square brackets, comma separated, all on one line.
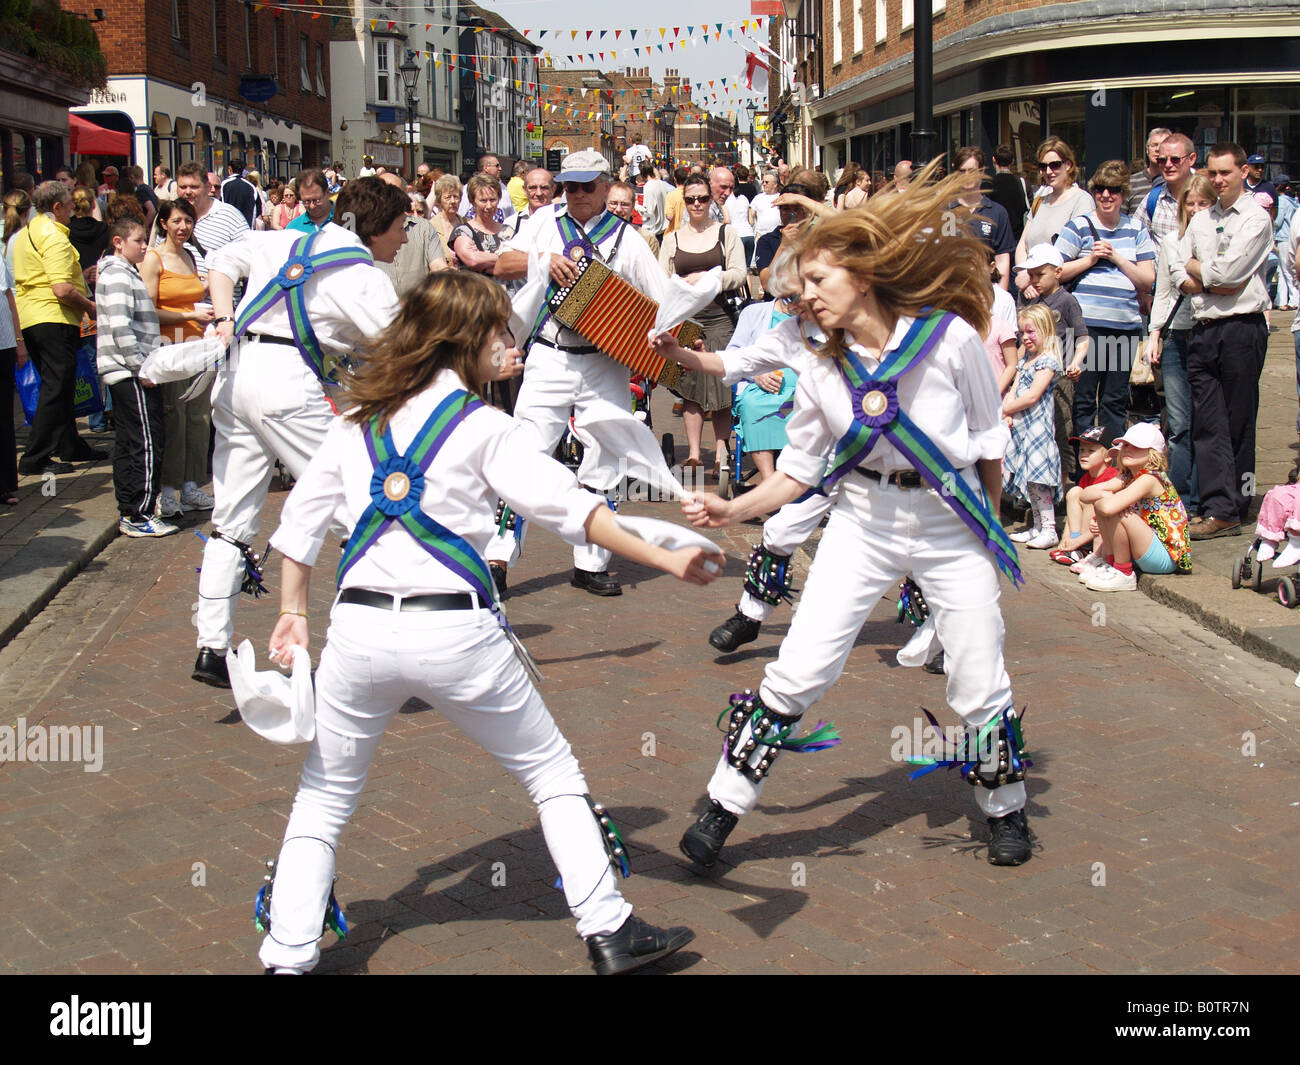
[(951, 396), (489, 455)]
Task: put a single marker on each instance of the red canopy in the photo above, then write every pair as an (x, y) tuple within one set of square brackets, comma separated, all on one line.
[(90, 139)]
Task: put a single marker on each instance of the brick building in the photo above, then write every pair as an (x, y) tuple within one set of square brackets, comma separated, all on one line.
[(189, 80), (1098, 73), (612, 110)]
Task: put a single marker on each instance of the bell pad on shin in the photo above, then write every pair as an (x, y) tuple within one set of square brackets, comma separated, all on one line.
[(769, 576)]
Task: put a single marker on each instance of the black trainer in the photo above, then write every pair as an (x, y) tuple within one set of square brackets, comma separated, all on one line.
[(703, 841), (600, 583), (210, 668), (635, 944), (499, 577), (935, 665), (734, 632), (1009, 839)]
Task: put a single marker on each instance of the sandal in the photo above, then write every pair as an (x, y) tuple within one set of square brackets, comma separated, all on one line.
[(1065, 558)]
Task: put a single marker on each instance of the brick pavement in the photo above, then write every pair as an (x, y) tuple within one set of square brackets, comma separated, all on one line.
[(1136, 728)]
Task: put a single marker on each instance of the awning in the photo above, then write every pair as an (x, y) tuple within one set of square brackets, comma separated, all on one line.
[(90, 139)]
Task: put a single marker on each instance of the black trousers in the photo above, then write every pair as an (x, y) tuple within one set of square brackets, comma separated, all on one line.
[(137, 447), (8, 440), (1224, 360), (52, 347)]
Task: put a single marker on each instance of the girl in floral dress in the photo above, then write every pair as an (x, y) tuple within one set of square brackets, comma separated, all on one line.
[(1031, 469), (1144, 524)]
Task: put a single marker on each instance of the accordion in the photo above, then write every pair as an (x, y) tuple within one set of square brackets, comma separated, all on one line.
[(614, 316)]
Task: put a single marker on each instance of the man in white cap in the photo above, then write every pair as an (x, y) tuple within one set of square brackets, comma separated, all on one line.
[(567, 372)]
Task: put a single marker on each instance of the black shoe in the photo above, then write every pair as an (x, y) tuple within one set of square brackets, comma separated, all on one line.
[(499, 577), (635, 944), (87, 454), (596, 583), (1009, 839), (734, 632), (935, 665), (32, 469), (210, 668), (703, 841)]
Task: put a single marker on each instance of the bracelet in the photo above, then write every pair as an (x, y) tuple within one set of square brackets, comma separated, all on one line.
[(295, 613), (223, 318)]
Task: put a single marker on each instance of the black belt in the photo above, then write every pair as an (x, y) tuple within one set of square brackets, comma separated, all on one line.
[(902, 479), (1253, 318), (571, 349), (422, 603), (266, 338)]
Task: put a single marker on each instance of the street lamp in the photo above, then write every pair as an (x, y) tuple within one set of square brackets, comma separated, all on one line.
[(752, 109), (410, 73), (670, 118)]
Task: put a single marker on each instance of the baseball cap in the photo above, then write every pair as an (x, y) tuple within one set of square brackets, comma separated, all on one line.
[(1096, 434), (1256, 160), (1263, 199), (1043, 255), (583, 166), (1144, 435)]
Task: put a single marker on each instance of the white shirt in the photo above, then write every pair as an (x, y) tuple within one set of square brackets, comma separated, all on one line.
[(218, 227), (348, 305), (632, 261), (952, 397), (1004, 306), (738, 212), (7, 337), (489, 455), (1232, 247), (768, 349), (767, 216)]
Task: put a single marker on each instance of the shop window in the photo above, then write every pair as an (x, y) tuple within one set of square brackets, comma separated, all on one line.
[(1268, 124), (1196, 113), (1065, 119)]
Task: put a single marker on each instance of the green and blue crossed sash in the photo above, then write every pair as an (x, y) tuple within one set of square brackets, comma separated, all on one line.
[(876, 413), (578, 244), (288, 287)]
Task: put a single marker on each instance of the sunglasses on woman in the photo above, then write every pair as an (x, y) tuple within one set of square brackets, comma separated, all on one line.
[(1054, 165), (1109, 190), (697, 199)]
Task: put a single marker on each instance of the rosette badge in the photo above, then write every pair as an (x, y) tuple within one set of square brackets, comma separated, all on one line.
[(295, 271), (878, 403), (396, 486)]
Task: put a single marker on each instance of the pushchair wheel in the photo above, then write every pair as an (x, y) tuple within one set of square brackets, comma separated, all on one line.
[(1286, 593)]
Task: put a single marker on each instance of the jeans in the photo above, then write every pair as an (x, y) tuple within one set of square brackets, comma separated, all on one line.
[(1178, 414), (1106, 370)]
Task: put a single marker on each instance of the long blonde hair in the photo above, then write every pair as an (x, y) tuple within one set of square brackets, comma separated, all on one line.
[(1044, 320), (17, 204), (443, 323), (913, 250), (1197, 185)]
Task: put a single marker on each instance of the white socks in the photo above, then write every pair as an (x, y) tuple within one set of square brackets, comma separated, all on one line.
[(1290, 554)]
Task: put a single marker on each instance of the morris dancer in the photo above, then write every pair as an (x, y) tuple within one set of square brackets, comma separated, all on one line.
[(417, 616), (311, 299), (565, 372), (905, 398)]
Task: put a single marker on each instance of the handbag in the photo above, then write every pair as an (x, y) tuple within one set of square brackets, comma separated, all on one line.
[(89, 398)]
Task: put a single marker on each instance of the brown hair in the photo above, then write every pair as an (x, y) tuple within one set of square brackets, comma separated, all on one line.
[(373, 203), (83, 202), (443, 324), (1055, 144), (17, 204), (123, 205), (1113, 173), (481, 183), (907, 250)]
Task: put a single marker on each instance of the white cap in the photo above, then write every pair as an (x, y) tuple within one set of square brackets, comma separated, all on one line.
[(1144, 435), (278, 708), (583, 166), (1043, 255)]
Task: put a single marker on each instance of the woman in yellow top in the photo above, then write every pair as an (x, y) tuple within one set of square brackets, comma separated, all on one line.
[(171, 275)]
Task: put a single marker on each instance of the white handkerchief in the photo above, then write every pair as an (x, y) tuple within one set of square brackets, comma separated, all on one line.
[(682, 299), (667, 534), (279, 708), (527, 301), (180, 362)]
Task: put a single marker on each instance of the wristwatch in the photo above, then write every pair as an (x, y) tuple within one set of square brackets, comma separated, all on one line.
[(223, 318)]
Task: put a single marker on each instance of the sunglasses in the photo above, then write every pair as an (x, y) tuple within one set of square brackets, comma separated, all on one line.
[(1052, 166), (792, 214), (571, 187), (697, 199), (1170, 160), (1109, 190)]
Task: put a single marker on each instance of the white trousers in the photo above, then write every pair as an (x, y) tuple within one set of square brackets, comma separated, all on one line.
[(616, 444), (783, 532), (266, 405), (877, 534), (460, 662)]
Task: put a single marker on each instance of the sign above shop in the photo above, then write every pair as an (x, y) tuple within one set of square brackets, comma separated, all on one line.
[(257, 88)]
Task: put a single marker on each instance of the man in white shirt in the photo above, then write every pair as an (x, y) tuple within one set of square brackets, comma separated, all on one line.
[(567, 372), (269, 400), (1220, 262), (217, 223)]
